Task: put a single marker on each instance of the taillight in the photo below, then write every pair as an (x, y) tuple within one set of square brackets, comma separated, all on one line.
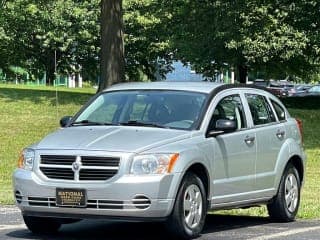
[(300, 126)]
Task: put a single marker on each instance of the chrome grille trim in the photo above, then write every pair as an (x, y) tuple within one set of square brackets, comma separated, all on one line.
[(88, 168), (141, 202), (42, 201), (103, 204), (18, 197)]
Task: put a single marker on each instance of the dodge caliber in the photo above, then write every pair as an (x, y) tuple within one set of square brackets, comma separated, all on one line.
[(164, 151)]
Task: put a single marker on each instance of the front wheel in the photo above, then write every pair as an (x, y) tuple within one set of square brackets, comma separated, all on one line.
[(188, 216), (285, 205), (42, 225)]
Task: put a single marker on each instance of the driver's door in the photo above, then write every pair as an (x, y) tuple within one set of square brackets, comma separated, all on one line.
[(234, 154)]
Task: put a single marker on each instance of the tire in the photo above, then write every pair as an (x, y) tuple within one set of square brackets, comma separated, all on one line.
[(285, 204), (188, 216), (42, 225)]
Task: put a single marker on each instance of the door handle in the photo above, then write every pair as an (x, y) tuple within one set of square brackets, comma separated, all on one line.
[(280, 134), (249, 140)]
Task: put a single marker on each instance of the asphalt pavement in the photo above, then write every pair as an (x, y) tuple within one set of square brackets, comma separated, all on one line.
[(218, 227)]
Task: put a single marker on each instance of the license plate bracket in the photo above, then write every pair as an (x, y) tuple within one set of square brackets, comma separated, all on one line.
[(68, 197)]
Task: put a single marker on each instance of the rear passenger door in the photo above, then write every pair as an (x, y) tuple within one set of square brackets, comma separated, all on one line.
[(270, 135)]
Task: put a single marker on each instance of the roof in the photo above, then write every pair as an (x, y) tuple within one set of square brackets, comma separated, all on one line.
[(204, 87)]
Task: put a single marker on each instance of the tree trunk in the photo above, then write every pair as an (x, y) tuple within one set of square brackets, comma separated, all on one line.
[(243, 72), (50, 70), (112, 46)]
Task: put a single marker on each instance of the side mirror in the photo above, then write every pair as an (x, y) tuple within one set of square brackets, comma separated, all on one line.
[(64, 121), (223, 126)]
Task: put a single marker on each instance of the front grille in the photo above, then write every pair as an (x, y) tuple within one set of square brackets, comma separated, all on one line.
[(88, 168), (100, 161), (96, 174), (58, 173), (57, 160)]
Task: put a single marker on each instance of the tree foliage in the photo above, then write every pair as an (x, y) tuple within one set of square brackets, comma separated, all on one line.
[(275, 36), (146, 43), (49, 34), (35, 33)]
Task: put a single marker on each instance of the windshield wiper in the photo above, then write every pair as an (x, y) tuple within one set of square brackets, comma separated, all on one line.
[(141, 124), (90, 123)]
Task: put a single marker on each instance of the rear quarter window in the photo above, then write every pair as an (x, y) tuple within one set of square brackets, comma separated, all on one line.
[(281, 113)]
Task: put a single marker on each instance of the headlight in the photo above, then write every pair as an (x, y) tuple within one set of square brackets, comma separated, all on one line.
[(153, 163), (26, 159)]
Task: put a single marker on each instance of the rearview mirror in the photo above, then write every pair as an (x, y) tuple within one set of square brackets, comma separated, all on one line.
[(64, 121), (226, 125), (223, 126)]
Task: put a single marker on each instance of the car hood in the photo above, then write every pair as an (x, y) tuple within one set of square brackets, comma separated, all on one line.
[(111, 138)]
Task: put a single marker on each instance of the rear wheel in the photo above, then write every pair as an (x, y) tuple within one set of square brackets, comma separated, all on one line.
[(286, 203), (40, 225), (188, 216)]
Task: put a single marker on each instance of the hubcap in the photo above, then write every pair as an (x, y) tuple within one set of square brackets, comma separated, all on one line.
[(192, 206), (291, 192)]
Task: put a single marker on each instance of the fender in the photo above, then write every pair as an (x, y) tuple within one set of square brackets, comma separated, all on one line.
[(188, 158), (289, 149)]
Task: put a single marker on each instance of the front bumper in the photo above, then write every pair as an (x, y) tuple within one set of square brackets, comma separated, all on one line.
[(127, 197)]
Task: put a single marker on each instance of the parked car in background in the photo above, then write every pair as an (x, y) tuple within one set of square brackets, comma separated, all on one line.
[(285, 89), (275, 88), (298, 88), (261, 83), (280, 88), (164, 151), (311, 91)]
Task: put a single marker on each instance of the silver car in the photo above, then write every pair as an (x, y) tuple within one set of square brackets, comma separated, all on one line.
[(164, 151)]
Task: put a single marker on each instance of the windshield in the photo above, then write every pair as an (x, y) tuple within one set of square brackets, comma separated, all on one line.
[(166, 109)]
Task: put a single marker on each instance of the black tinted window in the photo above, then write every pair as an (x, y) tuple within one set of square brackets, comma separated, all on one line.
[(260, 109)]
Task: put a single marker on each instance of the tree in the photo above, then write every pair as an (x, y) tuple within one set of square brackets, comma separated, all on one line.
[(50, 35), (240, 34), (36, 33), (147, 48), (112, 44)]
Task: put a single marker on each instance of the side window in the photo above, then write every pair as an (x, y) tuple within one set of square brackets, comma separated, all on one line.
[(260, 109), (229, 108), (279, 111)]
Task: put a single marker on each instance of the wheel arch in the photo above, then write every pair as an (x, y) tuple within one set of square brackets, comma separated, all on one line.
[(202, 172), (296, 161), (290, 153)]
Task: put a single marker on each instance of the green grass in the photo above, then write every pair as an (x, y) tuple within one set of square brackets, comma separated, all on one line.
[(27, 114)]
